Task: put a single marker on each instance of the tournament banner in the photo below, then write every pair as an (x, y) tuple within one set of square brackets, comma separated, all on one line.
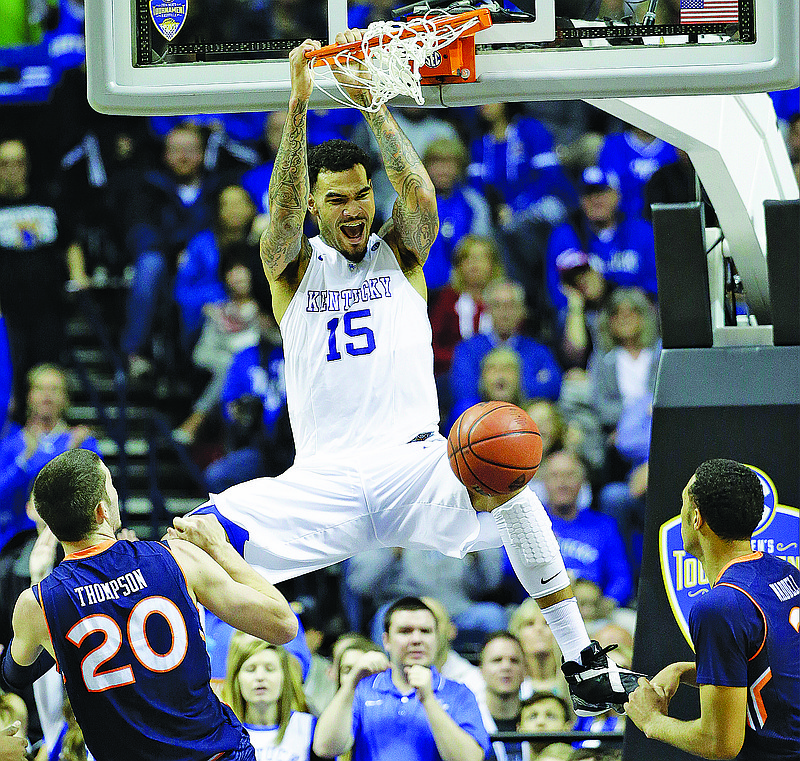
[(684, 578)]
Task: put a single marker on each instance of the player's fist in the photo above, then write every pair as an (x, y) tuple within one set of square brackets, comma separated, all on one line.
[(300, 71), (349, 35), (204, 531)]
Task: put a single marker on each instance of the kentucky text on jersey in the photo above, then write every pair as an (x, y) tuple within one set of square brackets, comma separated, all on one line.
[(334, 301), (111, 590)]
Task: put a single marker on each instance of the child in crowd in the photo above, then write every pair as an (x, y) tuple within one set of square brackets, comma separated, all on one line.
[(545, 712)]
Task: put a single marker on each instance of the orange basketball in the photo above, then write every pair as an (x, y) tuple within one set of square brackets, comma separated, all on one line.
[(494, 448)]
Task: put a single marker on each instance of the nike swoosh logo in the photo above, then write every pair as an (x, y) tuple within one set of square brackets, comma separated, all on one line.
[(547, 581)]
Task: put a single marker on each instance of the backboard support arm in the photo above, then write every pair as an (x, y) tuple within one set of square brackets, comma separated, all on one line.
[(740, 157)]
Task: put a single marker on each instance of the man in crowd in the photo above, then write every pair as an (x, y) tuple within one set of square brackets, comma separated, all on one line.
[(502, 664), (400, 706)]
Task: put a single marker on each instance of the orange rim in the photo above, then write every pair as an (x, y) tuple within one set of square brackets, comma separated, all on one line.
[(329, 53)]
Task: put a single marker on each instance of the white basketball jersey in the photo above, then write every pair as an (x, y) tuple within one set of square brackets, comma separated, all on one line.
[(359, 362), (296, 743)]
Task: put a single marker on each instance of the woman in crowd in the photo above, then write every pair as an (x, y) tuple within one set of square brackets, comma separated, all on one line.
[(264, 687), (459, 311), (622, 378), (542, 656), (229, 327), (199, 278)]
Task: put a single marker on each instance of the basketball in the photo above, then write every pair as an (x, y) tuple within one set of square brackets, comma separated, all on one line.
[(494, 448)]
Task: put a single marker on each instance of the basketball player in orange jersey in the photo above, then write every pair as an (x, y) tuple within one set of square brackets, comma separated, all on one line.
[(371, 469)]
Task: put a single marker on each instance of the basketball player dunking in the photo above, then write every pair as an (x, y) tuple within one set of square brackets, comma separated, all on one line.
[(371, 468)]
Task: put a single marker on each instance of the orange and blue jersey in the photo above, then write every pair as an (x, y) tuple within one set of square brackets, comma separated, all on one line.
[(745, 632), (128, 642)]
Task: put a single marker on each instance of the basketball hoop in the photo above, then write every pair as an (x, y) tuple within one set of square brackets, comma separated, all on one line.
[(398, 57)]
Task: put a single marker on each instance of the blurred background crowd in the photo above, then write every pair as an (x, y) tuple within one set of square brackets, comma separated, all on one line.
[(135, 320)]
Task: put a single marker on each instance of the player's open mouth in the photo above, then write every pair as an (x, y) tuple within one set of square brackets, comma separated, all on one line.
[(353, 231)]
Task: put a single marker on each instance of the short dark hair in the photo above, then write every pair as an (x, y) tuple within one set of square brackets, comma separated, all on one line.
[(501, 634), (67, 491), (405, 603), (538, 697), (729, 497), (336, 156)]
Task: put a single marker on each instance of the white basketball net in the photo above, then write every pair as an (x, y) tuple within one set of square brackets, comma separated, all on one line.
[(388, 61)]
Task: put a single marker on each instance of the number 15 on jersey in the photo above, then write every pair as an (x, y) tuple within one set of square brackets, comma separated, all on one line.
[(352, 326)]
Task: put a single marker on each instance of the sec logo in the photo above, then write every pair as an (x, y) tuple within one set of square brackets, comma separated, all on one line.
[(433, 60)]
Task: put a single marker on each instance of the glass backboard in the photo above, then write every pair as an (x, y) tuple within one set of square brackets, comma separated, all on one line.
[(195, 56)]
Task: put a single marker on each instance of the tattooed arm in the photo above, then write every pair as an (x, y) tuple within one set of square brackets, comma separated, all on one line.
[(282, 240), (416, 221)]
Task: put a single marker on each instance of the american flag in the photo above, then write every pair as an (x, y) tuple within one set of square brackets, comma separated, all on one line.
[(709, 11)]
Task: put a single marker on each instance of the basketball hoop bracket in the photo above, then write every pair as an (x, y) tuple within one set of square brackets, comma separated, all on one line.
[(455, 63)]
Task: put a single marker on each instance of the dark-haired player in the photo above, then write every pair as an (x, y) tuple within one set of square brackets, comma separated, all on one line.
[(371, 468), (745, 632), (121, 621)]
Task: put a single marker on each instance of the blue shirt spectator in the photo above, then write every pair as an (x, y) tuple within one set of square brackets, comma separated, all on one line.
[(168, 208), (257, 371), (620, 248), (25, 451), (259, 439), (633, 156), (541, 374), (516, 158), (590, 542), (401, 707), (378, 704), (592, 547), (198, 282), (463, 211)]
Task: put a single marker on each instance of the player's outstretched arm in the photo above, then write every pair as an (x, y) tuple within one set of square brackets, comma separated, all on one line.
[(281, 241), (416, 220), (30, 630), (224, 583), (25, 659), (718, 733)]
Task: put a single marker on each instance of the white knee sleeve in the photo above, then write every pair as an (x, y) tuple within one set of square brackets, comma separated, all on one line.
[(532, 548)]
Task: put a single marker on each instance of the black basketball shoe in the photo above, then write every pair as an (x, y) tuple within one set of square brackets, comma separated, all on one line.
[(597, 684)]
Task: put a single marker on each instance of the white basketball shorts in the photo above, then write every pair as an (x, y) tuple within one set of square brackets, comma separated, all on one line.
[(325, 509)]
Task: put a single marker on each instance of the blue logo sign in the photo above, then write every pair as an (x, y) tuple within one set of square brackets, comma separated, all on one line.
[(684, 578), (168, 16)]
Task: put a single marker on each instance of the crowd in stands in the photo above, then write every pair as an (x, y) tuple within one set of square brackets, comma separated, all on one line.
[(542, 292)]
